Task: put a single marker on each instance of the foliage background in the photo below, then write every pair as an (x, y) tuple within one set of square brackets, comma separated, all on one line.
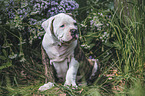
[(110, 31)]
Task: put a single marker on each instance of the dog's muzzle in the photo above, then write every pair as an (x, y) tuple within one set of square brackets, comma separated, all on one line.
[(74, 33)]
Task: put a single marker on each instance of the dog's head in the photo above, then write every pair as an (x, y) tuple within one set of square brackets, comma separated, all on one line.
[(61, 26)]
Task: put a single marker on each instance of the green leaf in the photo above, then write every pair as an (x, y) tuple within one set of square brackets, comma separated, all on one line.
[(117, 45), (3, 57), (5, 53), (108, 44), (91, 45), (6, 65)]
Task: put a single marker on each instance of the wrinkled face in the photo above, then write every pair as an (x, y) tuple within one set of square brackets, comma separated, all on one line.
[(64, 27)]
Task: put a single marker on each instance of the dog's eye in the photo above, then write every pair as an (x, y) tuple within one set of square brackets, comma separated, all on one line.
[(75, 24), (62, 26)]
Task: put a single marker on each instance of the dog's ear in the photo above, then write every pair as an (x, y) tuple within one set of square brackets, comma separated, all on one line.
[(48, 24)]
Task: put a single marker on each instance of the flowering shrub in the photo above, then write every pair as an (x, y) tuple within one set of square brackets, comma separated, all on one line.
[(96, 31), (28, 16)]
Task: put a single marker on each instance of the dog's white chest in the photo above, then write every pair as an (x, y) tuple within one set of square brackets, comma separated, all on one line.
[(58, 53)]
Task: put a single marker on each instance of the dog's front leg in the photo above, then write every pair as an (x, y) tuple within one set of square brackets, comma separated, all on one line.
[(72, 72)]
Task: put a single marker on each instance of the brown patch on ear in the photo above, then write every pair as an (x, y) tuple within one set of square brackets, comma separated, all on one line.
[(51, 28)]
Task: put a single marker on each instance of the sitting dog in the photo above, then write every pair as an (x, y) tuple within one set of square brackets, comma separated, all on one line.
[(60, 43)]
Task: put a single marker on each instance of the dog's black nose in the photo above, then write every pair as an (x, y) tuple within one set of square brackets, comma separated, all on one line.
[(74, 32)]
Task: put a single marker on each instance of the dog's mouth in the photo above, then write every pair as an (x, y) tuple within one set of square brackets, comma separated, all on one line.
[(61, 37), (75, 36), (72, 37), (69, 41)]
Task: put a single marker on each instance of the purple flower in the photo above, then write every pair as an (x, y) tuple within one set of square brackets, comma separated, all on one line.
[(53, 3), (39, 37), (90, 57), (101, 14)]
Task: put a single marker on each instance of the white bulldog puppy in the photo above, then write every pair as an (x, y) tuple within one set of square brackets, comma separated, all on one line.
[(60, 44)]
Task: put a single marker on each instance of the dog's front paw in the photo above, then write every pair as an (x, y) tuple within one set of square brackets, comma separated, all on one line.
[(73, 85), (46, 86)]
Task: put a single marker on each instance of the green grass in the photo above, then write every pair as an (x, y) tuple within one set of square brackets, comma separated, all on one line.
[(129, 31)]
